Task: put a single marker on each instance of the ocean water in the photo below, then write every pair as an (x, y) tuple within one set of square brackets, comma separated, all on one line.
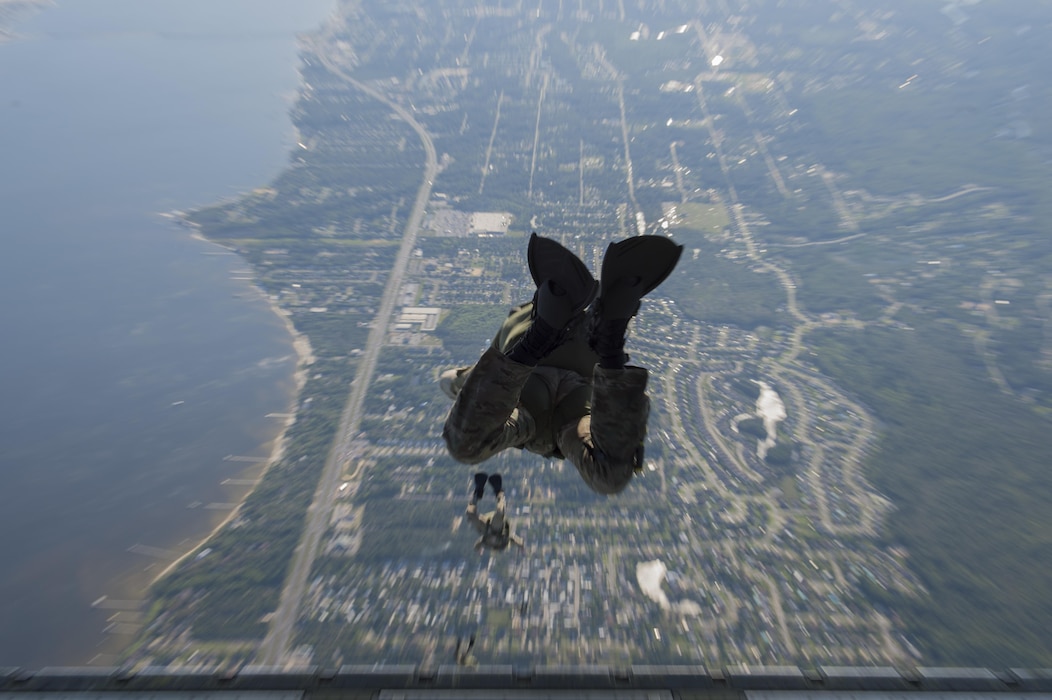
[(133, 358)]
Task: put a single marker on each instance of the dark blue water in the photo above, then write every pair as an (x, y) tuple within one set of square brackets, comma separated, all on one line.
[(112, 111)]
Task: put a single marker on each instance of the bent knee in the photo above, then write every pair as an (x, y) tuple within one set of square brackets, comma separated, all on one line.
[(464, 451), (612, 482)]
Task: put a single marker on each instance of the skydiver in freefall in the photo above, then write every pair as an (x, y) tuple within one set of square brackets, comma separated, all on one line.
[(494, 527), (463, 654), (555, 380)]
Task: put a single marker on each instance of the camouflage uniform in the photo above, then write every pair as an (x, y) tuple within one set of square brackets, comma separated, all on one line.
[(494, 528), (567, 407)]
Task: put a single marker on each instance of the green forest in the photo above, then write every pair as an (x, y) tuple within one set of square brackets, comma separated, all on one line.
[(967, 470)]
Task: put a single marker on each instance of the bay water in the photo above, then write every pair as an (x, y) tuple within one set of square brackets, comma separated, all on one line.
[(134, 359)]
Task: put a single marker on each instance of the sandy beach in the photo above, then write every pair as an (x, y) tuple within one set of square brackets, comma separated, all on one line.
[(304, 359), (152, 367)]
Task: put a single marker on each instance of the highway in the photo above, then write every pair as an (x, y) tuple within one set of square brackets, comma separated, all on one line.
[(275, 646)]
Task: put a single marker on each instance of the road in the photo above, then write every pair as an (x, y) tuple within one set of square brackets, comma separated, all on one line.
[(275, 646)]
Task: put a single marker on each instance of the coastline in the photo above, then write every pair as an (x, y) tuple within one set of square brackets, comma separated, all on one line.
[(119, 486), (113, 649), (304, 359)]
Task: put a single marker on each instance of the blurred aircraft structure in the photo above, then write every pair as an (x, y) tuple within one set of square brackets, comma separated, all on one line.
[(449, 681)]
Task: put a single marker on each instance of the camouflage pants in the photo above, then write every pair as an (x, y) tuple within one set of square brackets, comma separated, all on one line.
[(486, 523), (604, 445)]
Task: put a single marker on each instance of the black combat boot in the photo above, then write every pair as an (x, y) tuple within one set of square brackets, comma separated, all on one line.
[(564, 288), (497, 483), (480, 485), (632, 268)]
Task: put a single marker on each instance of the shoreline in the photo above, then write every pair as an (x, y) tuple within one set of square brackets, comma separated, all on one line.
[(162, 488), (304, 359), (111, 650)]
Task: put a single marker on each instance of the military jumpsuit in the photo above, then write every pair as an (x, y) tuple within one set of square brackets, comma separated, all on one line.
[(567, 407), (494, 528)]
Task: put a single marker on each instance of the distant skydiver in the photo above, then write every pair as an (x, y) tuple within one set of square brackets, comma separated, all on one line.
[(554, 380), (463, 654), (494, 528)]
